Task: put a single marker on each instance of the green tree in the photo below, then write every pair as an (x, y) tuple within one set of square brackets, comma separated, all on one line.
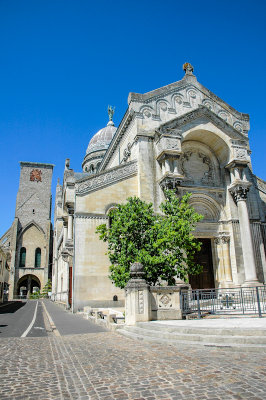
[(164, 243), (47, 288)]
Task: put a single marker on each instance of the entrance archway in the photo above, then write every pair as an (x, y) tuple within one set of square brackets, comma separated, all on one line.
[(205, 280), (28, 284)]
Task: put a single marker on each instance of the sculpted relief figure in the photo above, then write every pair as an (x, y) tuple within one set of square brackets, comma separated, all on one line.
[(197, 167)]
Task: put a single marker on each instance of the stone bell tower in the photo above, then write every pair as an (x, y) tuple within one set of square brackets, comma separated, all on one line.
[(30, 236)]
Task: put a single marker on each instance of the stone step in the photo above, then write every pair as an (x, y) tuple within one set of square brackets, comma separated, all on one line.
[(180, 339), (193, 337), (181, 343), (260, 332)]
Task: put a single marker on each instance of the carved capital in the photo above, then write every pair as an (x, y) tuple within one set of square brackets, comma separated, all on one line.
[(217, 240), (67, 253), (240, 191), (170, 182), (225, 239), (70, 211)]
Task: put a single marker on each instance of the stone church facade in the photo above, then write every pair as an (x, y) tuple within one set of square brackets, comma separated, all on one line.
[(180, 136), (28, 242)]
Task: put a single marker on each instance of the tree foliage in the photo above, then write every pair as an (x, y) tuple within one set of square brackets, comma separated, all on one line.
[(164, 244)]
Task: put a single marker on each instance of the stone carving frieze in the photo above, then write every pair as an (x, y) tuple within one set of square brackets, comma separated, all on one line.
[(168, 143), (164, 300), (179, 100), (197, 168), (241, 153), (140, 301), (107, 177), (261, 184)]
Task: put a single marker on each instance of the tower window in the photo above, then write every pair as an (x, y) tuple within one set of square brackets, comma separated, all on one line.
[(22, 259), (33, 211), (38, 258)]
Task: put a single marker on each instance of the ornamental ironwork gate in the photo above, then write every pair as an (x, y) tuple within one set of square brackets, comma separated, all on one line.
[(245, 301)]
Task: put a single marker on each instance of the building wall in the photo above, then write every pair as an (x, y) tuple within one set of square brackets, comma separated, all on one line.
[(91, 269)]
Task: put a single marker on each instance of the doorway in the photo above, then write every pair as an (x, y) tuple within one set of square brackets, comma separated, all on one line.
[(205, 280)]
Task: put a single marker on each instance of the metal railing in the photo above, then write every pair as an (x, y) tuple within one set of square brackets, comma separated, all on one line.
[(233, 301), (20, 297)]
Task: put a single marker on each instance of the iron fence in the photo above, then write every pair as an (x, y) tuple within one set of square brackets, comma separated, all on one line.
[(251, 300)]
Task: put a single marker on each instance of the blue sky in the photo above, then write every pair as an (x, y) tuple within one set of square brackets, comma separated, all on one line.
[(63, 61)]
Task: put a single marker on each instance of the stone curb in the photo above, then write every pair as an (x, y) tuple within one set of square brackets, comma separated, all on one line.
[(51, 322)]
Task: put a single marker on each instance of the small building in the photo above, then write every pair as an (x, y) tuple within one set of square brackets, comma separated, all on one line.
[(180, 136), (29, 239)]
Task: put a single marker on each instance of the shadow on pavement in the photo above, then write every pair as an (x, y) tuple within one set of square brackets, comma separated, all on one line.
[(12, 307)]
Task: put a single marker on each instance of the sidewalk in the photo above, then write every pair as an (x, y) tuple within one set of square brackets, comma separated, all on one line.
[(70, 324), (246, 322)]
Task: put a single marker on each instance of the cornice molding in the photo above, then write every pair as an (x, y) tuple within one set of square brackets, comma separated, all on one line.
[(171, 126), (124, 124), (84, 215), (107, 178), (176, 87), (35, 164)]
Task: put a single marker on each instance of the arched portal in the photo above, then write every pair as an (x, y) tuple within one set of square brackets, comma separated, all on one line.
[(212, 212), (205, 280), (28, 284)]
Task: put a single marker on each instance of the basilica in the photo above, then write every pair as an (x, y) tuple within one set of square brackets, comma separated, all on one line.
[(180, 136)]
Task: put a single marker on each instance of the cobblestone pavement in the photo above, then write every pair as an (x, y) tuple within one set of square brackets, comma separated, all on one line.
[(108, 366)]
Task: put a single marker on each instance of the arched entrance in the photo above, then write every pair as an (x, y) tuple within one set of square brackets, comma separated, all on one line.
[(28, 284), (205, 280)]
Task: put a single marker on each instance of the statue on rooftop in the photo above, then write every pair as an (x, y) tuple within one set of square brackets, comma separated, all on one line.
[(188, 68), (111, 111)]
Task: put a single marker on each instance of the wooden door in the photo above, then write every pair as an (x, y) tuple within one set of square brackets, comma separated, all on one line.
[(205, 280)]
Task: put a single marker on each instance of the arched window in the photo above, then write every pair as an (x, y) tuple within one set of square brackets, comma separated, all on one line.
[(92, 169), (109, 213), (37, 258), (22, 259)]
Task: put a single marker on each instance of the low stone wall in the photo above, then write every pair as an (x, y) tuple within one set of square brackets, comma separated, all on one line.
[(165, 302), (146, 303)]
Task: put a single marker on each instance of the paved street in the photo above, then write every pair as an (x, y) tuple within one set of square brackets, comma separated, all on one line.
[(16, 318), (104, 365)]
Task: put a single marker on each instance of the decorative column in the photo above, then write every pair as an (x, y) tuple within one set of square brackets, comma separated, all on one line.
[(55, 275), (64, 233), (167, 165), (239, 192), (163, 167), (226, 260), (70, 227), (220, 265), (176, 166)]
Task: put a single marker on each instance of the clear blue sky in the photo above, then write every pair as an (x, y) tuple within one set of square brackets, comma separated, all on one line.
[(63, 62)]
